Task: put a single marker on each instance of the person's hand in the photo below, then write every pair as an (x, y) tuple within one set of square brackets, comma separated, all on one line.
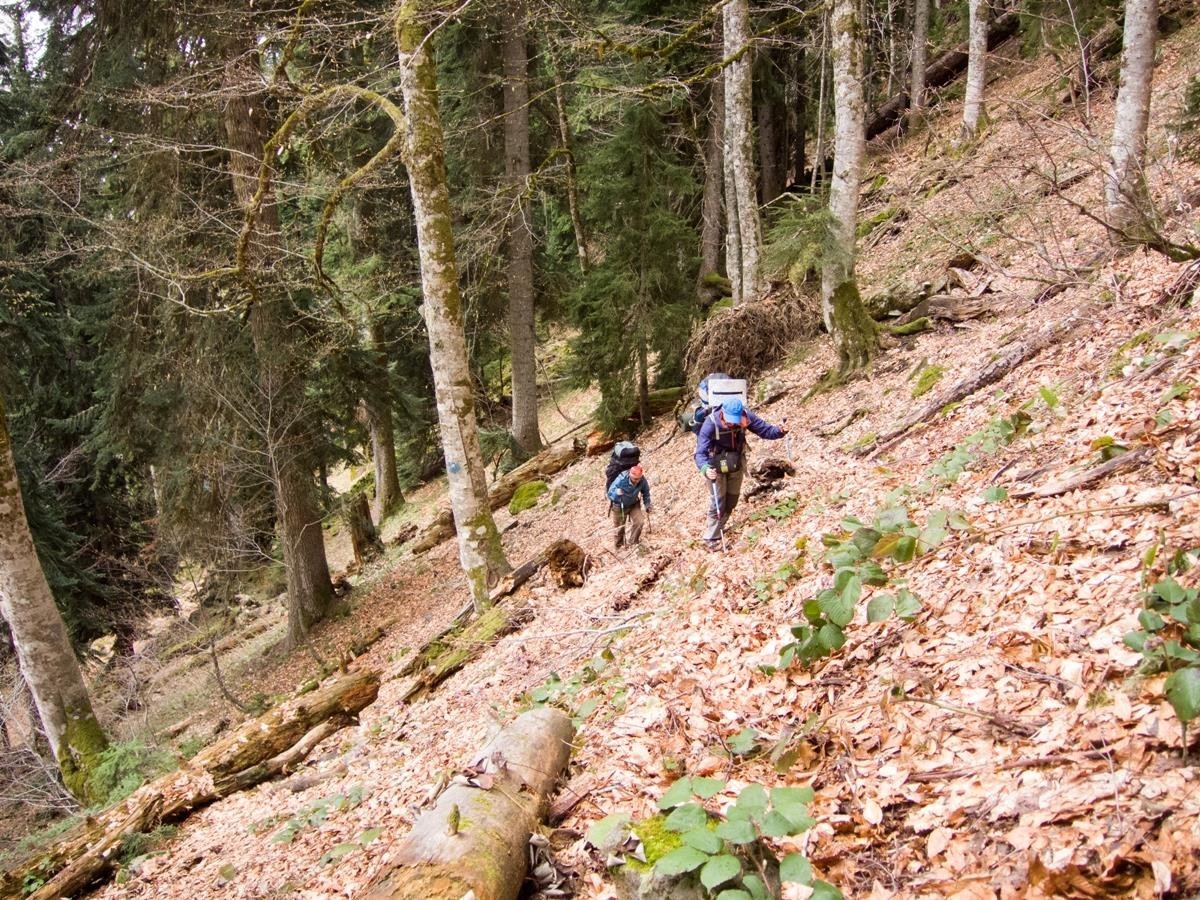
[(647, 509), (783, 429), (711, 473)]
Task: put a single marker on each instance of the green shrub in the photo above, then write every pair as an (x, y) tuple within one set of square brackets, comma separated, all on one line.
[(125, 767)]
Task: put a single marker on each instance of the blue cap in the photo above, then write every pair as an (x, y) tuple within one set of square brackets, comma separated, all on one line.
[(733, 410)]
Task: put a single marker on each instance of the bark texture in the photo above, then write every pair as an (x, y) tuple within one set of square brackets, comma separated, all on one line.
[(920, 49), (741, 185), (254, 752), (280, 367), (976, 68), (474, 841), (841, 305), (1125, 192), (479, 546), (44, 654), (520, 236)]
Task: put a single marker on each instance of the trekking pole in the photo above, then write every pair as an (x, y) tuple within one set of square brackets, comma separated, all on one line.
[(717, 505), (787, 443)]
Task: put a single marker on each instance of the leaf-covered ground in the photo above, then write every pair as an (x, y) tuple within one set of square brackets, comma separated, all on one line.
[(998, 741)]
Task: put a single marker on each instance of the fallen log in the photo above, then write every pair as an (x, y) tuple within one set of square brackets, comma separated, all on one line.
[(466, 635), (474, 842), (547, 463), (1131, 460), (1004, 363), (256, 751)]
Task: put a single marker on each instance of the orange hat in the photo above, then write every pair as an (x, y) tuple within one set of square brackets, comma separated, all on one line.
[(635, 472)]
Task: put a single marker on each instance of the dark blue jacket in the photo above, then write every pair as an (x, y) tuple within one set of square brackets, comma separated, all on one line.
[(716, 436), (625, 493)]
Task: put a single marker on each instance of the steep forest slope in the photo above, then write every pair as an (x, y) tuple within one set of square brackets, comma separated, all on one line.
[(998, 739)]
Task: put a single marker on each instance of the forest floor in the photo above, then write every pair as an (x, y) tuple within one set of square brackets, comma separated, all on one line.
[(1001, 742)]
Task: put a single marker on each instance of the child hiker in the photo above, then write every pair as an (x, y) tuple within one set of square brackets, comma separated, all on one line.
[(629, 500)]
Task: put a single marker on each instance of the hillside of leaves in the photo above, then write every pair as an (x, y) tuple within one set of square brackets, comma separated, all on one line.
[(967, 643)]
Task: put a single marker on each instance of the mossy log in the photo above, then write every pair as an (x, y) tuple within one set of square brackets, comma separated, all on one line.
[(465, 637), (543, 466), (474, 842), (440, 659), (256, 751)]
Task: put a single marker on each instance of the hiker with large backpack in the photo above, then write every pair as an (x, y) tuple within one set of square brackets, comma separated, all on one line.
[(721, 458), (629, 503)]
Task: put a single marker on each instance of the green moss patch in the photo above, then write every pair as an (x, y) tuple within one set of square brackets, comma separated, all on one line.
[(926, 379), (526, 496)]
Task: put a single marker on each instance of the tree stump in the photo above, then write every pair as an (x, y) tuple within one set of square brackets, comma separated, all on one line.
[(567, 563), (364, 538)]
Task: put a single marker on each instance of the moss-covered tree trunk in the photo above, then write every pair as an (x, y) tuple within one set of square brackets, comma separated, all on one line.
[(479, 546), (841, 304), (1125, 192), (741, 183), (523, 343), (280, 360), (44, 652)]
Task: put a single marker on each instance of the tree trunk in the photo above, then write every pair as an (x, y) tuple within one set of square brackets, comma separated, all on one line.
[(799, 114), (547, 463), (944, 68), (479, 546), (741, 184), (474, 841), (280, 367), (841, 305), (388, 497), (1125, 194), (44, 654), (567, 142), (772, 118), (643, 383), (256, 751), (822, 93), (976, 68), (710, 205), (920, 50), (520, 238)]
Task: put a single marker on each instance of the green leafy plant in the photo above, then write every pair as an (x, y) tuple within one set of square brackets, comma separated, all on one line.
[(855, 555), (726, 852), (784, 509), (1169, 641), (554, 691)]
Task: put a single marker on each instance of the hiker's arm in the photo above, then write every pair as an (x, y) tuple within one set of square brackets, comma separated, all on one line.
[(644, 487), (762, 428), (704, 444)]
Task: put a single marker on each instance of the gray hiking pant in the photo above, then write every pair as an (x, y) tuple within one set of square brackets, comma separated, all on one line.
[(729, 488)]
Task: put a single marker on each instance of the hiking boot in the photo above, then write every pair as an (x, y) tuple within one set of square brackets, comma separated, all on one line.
[(712, 546)]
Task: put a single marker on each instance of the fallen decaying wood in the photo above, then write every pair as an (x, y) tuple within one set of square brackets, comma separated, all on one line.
[(468, 635), (257, 750), (1122, 463), (1005, 362), (474, 842), (547, 463)]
